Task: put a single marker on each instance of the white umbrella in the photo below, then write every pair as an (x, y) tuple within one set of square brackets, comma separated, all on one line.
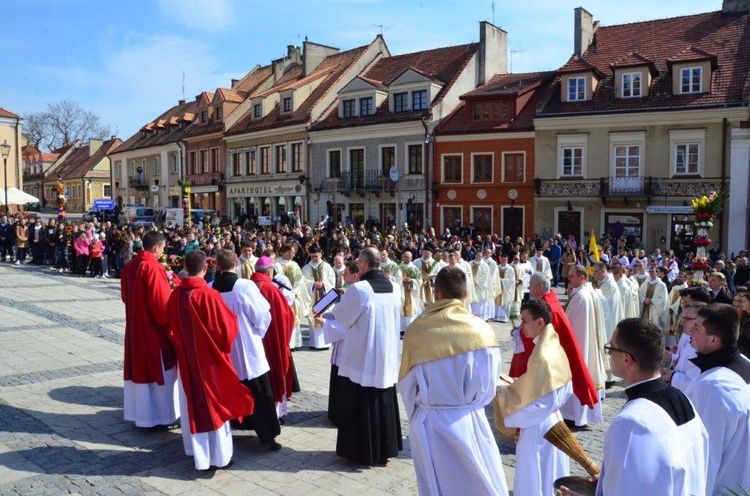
[(16, 197)]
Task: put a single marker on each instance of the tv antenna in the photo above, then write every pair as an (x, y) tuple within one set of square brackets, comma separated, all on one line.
[(512, 53), (382, 27), (183, 86), (493, 12)]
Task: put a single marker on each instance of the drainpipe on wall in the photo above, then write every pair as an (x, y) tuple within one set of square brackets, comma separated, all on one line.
[(428, 139), (724, 126)]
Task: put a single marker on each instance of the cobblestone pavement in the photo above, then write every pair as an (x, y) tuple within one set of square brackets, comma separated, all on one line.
[(61, 427)]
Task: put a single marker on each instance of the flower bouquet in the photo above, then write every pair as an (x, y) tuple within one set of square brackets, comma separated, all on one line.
[(706, 207)]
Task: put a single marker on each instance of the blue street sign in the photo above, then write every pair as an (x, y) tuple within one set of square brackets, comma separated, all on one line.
[(104, 204)]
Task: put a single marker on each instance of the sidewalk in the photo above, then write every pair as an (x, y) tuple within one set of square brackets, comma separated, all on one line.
[(61, 427)]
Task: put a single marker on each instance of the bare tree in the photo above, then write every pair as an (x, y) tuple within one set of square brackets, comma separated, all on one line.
[(62, 124)]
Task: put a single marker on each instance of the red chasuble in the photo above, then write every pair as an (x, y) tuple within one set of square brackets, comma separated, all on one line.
[(145, 290), (583, 385), (276, 340), (203, 330)]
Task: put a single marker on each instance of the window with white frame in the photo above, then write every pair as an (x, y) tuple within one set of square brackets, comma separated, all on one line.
[(236, 164), (387, 159), (265, 160), (204, 161), (296, 152), (155, 166), (250, 163), (419, 100), (173, 164), (257, 111), (366, 106), (287, 104), (631, 84), (334, 163), (690, 80), (576, 89), (514, 167), (687, 150), (401, 102), (219, 113), (414, 153), (626, 161), (280, 158), (118, 170), (214, 160), (107, 191), (349, 108), (453, 169), (571, 155), (132, 168), (481, 168)]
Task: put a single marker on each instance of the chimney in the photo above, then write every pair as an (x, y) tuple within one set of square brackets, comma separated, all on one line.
[(313, 54), (493, 52), (279, 66), (584, 30), (735, 6), (94, 145), (180, 102), (234, 83)]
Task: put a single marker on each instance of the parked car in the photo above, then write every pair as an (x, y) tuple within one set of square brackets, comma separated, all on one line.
[(137, 214), (32, 207), (101, 215)]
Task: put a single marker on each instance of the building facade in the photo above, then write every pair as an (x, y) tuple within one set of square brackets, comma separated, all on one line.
[(10, 132), (639, 122)]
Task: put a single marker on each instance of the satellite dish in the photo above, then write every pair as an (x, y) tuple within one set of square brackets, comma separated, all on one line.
[(394, 174)]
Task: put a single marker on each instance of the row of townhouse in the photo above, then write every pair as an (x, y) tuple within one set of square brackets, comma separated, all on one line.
[(642, 118)]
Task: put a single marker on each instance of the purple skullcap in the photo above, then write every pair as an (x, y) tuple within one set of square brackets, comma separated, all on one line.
[(264, 262)]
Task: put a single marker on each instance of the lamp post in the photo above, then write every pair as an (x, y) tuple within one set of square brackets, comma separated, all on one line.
[(5, 149)]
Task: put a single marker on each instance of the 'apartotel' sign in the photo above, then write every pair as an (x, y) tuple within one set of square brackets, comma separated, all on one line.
[(282, 189)]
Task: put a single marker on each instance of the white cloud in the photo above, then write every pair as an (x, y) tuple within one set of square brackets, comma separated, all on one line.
[(215, 15)]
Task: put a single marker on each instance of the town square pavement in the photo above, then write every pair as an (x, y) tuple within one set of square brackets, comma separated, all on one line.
[(61, 427)]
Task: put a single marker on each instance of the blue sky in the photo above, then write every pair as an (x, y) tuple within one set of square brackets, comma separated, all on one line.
[(125, 60)]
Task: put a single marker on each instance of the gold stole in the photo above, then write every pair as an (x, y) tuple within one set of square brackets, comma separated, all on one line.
[(427, 284), (289, 272), (339, 280), (408, 306), (539, 265), (499, 298), (247, 270), (318, 277), (647, 306)]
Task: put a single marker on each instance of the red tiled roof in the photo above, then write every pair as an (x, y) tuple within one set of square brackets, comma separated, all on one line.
[(635, 59), (441, 64), (230, 95), (461, 121), (577, 64), (253, 79), (330, 69), (5, 113), (724, 38), (79, 163), (180, 112)]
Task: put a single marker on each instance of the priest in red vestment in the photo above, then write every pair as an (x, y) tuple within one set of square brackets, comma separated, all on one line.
[(279, 334), (583, 385), (150, 364), (203, 330)]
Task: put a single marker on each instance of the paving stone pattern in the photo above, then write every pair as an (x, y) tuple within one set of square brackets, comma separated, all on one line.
[(61, 427)]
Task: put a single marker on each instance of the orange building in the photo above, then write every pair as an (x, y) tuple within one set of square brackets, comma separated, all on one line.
[(483, 157)]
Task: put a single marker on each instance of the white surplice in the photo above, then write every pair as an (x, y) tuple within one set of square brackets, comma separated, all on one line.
[(213, 448), (646, 453), (586, 318), (684, 371), (629, 297), (507, 291), (452, 444), (722, 399), (658, 311), (539, 463), (370, 350), (482, 305)]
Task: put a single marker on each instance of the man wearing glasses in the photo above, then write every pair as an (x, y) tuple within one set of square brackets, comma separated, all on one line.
[(657, 442)]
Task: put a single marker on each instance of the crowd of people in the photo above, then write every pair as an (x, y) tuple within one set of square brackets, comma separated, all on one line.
[(214, 313)]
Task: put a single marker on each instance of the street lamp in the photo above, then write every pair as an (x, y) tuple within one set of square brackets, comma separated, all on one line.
[(5, 149)]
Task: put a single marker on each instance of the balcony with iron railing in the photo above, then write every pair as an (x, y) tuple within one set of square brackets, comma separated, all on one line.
[(207, 178), (626, 187), (370, 181), (138, 181)]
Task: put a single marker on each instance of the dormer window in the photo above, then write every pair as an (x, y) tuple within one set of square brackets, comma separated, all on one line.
[(419, 100), (257, 111), (204, 116), (576, 89), (690, 80), (219, 113), (349, 108), (401, 102), (631, 84), (287, 104), (492, 111), (366, 106)]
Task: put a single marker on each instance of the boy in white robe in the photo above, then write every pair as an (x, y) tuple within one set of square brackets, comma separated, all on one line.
[(319, 278), (532, 403), (481, 305), (721, 395), (507, 289), (657, 444), (450, 364)]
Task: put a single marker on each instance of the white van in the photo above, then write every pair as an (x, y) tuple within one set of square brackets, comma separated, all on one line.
[(176, 217)]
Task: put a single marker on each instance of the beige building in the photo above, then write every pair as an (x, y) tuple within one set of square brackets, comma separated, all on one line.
[(640, 121), (10, 132)]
